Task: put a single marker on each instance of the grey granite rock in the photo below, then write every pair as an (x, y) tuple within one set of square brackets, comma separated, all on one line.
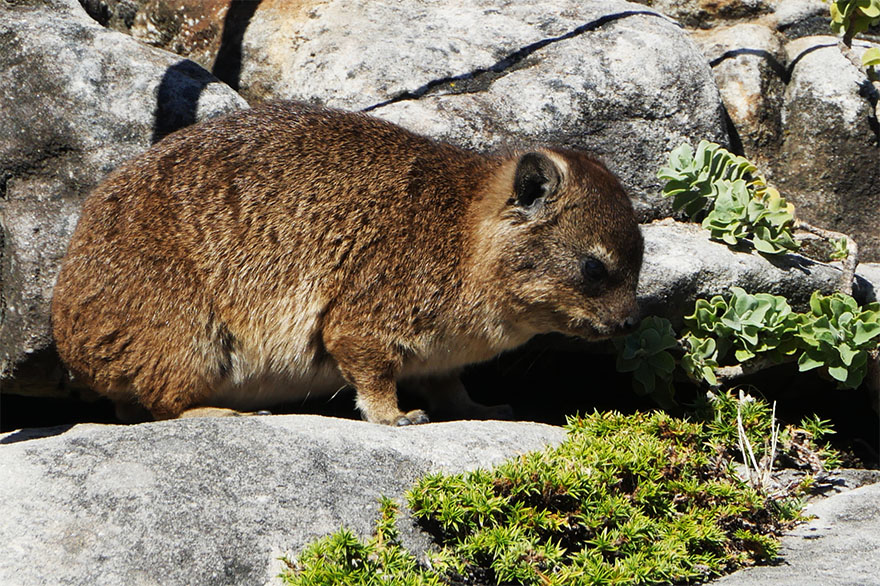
[(827, 165), (704, 14), (216, 501), (839, 547), (75, 101), (610, 76), (749, 67), (682, 264)]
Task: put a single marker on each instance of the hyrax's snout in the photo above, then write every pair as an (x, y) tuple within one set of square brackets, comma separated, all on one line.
[(621, 318), (611, 294)]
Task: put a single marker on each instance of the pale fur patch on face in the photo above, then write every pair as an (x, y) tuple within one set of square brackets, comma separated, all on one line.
[(608, 257), (561, 165)]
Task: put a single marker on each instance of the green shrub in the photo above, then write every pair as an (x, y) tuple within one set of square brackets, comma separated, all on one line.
[(343, 559), (625, 499), (747, 324)]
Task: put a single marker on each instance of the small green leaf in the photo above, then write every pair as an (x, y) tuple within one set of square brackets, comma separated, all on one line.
[(871, 57), (663, 362), (807, 362), (847, 354), (742, 355), (839, 373), (709, 375), (864, 332)]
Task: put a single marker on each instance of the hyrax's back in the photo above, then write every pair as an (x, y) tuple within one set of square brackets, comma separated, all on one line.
[(287, 250)]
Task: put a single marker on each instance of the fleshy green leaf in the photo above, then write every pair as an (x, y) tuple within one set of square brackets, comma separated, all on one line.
[(871, 57)]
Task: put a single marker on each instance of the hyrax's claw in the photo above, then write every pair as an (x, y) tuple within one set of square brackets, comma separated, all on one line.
[(418, 416), (412, 418)]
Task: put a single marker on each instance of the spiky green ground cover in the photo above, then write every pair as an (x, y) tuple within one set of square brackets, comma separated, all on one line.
[(638, 499)]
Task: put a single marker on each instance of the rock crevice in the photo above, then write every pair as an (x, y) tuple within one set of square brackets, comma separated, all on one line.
[(481, 78)]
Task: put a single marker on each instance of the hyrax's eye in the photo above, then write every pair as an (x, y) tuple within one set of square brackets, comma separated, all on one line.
[(593, 271)]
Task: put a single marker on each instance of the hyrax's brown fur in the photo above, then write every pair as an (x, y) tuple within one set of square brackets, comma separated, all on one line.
[(289, 250)]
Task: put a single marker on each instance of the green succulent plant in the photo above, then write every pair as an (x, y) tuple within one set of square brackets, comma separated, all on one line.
[(701, 359), (840, 249), (837, 334), (645, 353), (747, 324), (851, 17), (740, 203), (693, 179)]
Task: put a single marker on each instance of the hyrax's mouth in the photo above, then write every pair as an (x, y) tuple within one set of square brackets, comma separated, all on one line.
[(593, 330), (587, 329)]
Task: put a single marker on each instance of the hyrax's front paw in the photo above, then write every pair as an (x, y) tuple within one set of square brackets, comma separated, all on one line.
[(413, 417)]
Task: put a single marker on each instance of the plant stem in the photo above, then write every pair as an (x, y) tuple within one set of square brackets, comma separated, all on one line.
[(752, 366), (852, 257)]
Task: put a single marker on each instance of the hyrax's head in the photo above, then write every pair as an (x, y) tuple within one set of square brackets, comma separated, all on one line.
[(558, 237)]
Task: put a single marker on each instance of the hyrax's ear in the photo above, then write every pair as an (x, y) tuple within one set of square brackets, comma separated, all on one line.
[(536, 177)]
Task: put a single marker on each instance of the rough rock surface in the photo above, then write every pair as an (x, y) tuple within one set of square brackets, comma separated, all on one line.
[(828, 163), (681, 264), (75, 101), (799, 18), (219, 500), (840, 547), (868, 279), (216, 501), (614, 77), (748, 64), (196, 29), (706, 13)]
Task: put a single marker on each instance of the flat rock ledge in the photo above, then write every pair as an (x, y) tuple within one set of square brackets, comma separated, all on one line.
[(218, 501), (840, 546)]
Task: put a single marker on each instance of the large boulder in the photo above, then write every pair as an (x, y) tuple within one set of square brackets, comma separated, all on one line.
[(75, 101), (828, 162), (614, 77), (216, 501), (805, 114), (683, 264), (609, 76)]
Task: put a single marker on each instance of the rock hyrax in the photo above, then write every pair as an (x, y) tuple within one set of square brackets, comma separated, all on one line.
[(289, 250)]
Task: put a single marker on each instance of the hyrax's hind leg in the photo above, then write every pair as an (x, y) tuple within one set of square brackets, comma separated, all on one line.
[(218, 412), (372, 369), (182, 376), (447, 399), (209, 412)]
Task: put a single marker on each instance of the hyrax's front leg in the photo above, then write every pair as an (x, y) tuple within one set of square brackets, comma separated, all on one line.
[(372, 368)]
